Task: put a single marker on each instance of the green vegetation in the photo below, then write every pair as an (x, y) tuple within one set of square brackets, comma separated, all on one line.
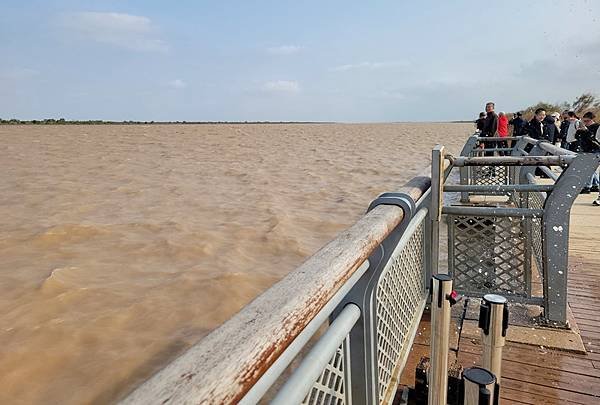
[(585, 102)]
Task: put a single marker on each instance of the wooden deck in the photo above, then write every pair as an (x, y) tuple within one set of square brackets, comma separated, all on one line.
[(538, 375)]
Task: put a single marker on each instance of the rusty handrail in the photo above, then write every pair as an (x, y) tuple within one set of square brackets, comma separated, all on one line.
[(223, 366)]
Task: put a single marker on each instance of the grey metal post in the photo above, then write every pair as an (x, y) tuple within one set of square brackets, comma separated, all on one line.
[(493, 321), (441, 287), (437, 183), (479, 387), (362, 359), (555, 230), (464, 171), (518, 147)]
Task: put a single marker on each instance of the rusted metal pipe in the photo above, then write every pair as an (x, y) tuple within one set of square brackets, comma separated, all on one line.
[(562, 160), (226, 364)]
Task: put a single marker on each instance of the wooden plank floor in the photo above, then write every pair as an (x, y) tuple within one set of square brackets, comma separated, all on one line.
[(536, 375)]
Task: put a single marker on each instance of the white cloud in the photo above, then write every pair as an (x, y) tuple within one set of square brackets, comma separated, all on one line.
[(122, 30), (178, 84), (284, 49), (369, 65), (284, 86)]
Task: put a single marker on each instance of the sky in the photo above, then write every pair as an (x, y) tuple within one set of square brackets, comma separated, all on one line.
[(346, 61)]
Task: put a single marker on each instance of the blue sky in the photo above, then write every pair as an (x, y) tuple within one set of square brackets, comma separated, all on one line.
[(350, 61)]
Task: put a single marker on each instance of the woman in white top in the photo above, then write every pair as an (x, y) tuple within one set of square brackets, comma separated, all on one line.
[(574, 125)]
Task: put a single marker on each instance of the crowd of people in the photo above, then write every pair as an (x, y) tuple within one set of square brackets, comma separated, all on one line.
[(565, 129)]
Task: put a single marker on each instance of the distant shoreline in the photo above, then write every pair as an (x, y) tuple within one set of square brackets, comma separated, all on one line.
[(100, 122)]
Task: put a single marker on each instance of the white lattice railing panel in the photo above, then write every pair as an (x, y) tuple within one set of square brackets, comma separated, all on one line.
[(330, 388), (399, 295)]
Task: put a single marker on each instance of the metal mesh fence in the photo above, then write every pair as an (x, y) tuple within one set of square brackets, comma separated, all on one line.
[(330, 388), (536, 200), (400, 292), (489, 254), (489, 175)]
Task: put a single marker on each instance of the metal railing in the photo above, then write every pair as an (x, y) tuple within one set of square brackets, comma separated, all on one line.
[(369, 286), (492, 248)]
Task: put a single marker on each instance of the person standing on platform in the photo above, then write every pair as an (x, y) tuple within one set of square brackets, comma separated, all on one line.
[(557, 123), (518, 123), (588, 143), (535, 127), (480, 122), (564, 126), (574, 124), (490, 128), (550, 130), (503, 132), (588, 120)]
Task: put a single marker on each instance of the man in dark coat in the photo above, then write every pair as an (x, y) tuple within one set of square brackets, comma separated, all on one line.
[(588, 143), (490, 127), (480, 122), (535, 127), (518, 123), (564, 127), (550, 132), (588, 120)]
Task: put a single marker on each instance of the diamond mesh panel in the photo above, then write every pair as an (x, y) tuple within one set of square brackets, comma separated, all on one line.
[(488, 255), (329, 388), (489, 175), (536, 200), (399, 294)]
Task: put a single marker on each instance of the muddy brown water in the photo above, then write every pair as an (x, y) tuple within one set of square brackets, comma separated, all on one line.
[(121, 246)]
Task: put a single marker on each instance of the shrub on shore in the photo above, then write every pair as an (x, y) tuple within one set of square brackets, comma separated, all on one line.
[(585, 102)]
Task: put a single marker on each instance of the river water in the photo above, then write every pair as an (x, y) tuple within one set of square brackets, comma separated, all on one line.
[(120, 246)]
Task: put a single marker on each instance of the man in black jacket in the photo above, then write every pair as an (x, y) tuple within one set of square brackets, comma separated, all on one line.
[(480, 122), (588, 120), (518, 123), (535, 127), (564, 127), (588, 143), (550, 132), (490, 127)]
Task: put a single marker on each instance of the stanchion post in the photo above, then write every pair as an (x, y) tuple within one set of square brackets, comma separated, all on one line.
[(479, 387), (441, 297), (437, 184), (493, 321)]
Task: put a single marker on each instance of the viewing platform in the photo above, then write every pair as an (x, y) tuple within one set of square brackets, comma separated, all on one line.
[(536, 373), (486, 259)]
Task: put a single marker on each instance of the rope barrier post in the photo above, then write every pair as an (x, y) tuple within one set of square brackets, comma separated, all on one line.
[(479, 387), (442, 298), (493, 321)]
